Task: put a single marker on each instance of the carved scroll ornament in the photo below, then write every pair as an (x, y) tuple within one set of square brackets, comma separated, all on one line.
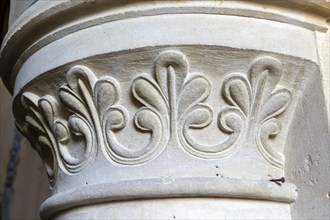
[(173, 103), (259, 102)]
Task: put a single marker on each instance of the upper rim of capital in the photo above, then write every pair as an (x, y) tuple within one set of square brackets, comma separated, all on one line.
[(33, 25)]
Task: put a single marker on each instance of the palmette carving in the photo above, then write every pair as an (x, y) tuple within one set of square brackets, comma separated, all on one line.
[(254, 105), (69, 129), (145, 120), (38, 127), (174, 94), (94, 104), (257, 99), (229, 121), (82, 128)]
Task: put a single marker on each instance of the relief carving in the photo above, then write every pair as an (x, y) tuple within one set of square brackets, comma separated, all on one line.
[(70, 129), (94, 104), (174, 96), (258, 100), (83, 125), (38, 127)]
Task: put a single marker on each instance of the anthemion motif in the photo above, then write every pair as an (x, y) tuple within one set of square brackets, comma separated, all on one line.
[(258, 103), (171, 109), (253, 105), (70, 129)]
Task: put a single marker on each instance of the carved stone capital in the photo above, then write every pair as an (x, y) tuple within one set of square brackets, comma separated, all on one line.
[(144, 105), (180, 115)]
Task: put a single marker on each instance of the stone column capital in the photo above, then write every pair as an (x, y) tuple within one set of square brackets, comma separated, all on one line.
[(133, 100)]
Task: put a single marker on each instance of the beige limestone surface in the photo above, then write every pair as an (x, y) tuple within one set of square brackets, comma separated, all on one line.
[(140, 139)]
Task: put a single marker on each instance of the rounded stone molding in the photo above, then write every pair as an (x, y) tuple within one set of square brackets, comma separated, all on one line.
[(80, 125), (82, 14), (133, 100), (147, 189)]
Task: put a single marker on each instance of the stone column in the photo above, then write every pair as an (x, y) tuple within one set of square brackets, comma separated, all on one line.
[(165, 109)]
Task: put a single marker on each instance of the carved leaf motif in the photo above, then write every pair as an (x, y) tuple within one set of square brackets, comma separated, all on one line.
[(146, 120), (196, 90), (276, 104), (29, 100), (260, 103), (237, 92), (94, 102), (230, 120), (40, 113), (34, 123), (73, 102), (167, 63), (106, 94), (47, 155), (173, 104), (268, 104), (47, 110), (76, 159), (116, 118), (174, 98), (78, 138), (80, 73), (270, 129), (148, 93), (264, 74), (61, 132), (152, 118), (199, 117)]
